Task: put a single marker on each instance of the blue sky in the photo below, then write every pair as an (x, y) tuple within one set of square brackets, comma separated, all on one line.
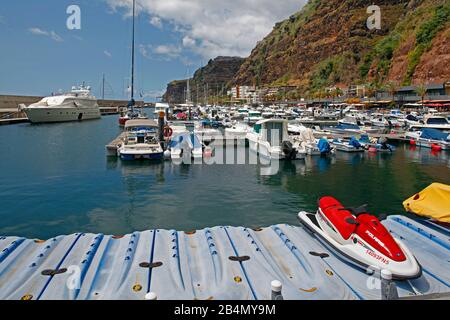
[(39, 55)]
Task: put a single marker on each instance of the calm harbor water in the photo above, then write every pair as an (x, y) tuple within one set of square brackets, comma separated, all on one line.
[(55, 179)]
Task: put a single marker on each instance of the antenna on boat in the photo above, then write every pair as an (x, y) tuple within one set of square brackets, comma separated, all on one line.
[(132, 61)]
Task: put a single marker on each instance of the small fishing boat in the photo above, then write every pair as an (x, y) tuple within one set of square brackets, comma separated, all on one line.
[(376, 145), (347, 146), (185, 145), (430, 138), (140, 141)]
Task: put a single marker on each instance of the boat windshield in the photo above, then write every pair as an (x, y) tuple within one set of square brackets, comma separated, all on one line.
[(274, 133)]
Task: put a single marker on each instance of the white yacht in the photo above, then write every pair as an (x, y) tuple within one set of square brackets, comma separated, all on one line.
[(76, 105), (140, 141)]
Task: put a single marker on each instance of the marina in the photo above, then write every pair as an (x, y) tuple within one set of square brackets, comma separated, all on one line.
[(311, 164)]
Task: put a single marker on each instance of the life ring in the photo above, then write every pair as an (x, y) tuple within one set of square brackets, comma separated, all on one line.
[(168, 132)]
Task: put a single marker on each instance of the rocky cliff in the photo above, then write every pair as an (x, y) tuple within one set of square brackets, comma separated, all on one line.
[(211, 80), (328, 42)]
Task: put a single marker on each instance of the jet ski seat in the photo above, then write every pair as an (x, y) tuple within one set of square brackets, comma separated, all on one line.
[(338, 216)]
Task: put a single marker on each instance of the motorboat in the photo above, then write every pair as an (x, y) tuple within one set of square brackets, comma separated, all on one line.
[(161, 107), (242, 113), (76, 105), (253, 117), (380, 121), (270, 139), (140, 141), (130, 114), (360, 239), (185, 145), (430, 138), (346, 128), (307, 141), (433, 122), (237, 132), (353, 145), (207, 134), (376, 145)]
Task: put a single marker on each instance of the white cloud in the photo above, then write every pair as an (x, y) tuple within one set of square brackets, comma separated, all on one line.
[(40, 32), (165, 52), (156, 22), (188, 42), (55, 36), (214, 27), (153, 94), (107, 53)]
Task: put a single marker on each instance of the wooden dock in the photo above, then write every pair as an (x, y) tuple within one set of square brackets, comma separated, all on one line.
[(111, 148)]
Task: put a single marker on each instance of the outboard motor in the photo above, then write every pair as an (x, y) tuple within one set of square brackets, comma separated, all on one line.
[(289, 151)]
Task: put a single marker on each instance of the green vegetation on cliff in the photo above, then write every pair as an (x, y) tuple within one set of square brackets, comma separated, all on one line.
[(327, 42)]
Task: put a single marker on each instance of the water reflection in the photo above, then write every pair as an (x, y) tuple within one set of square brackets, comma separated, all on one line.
[(66, 184)]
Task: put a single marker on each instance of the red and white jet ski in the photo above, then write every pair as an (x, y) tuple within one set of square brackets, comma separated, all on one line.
[(361, 239)]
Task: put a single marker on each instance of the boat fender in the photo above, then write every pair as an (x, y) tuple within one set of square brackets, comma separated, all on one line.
[(436, 147), (412, 142)]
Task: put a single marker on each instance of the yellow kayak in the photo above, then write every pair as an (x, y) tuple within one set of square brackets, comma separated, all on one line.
[(433, 202)]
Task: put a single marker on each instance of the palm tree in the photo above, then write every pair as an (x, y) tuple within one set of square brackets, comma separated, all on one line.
[(371, 90), (421, 91)]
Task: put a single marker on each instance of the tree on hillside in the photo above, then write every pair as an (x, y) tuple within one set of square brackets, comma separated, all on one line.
[(421, 91), (371, 90), (392, 88)]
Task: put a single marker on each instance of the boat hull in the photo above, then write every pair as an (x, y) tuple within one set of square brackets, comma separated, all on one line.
[(149, 156), (46, 114)]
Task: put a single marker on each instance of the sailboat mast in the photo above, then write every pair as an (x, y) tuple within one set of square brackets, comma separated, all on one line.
[(132, 58), (103, 87)]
